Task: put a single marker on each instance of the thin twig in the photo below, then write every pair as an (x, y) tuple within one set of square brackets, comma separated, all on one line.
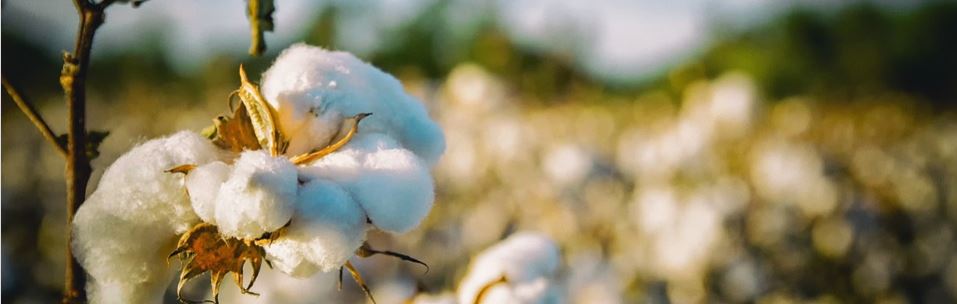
[(34, 116), (73, 80), (259, 13)]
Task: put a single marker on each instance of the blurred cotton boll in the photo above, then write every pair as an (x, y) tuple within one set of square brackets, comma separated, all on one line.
[(125, 229), (278, 287), (793, 174), (472, 87), (567, 165), (444, 298), (527, 261)]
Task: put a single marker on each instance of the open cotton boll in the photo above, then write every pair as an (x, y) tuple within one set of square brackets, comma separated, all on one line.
[(258, 197), (289, 257), (536, 291), (527, 260), (127, 226), (390, 183), (314, 89), (325, 231), (444, 298), (202, 184)]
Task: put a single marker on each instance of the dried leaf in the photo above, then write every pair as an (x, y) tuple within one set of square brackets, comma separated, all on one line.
[(366, 251), (93, 141), (353, 124), (261, 115), (236, 133), (184, 169), (358, 278)]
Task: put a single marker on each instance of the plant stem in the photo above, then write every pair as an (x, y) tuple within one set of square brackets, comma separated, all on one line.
[(73, 80), (27, 108)]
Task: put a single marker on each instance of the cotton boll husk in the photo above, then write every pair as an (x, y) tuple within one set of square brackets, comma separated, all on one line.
[(258, 197), (202, 184), (528, 260), (539, 290), (314, 90), (391, 184), (125, 229), (325, 231)]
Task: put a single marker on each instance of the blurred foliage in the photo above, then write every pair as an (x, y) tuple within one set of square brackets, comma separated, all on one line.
[(859, 50)]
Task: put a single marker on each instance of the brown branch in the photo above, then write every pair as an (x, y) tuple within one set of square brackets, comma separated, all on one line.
[(73, 80), (259, 13), (34, 116)]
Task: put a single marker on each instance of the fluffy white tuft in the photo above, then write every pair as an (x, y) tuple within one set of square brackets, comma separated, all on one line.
[(126, 227), (203, 185), (527, 260), (324, 233), (314, 90), (444, 298), (258, 197), (392, 185)]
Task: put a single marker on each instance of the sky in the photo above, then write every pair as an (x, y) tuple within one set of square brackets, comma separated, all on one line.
[(611, 39)]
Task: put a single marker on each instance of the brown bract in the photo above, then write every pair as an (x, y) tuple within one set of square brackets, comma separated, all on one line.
[(203, 249), (235, 133)]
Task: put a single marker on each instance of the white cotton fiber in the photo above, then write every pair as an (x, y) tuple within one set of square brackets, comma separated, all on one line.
[(203, 185), (444, 298), (258, 197), (314, 89), (325, 231), (527, 260), (125, 229), (390, 183)]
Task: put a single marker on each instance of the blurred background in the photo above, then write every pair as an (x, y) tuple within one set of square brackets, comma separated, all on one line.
[(698, 151)]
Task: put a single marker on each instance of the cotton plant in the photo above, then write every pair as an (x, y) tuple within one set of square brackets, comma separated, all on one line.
[(519, 269), (328, 149)]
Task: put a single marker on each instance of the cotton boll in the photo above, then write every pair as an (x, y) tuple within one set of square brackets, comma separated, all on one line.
[(444, 298), (536, 291), (202, 184), (279, 288), (329, 222), (124, 292), (527, 260), (391, 184), (289, 257), (325, 231), (125, 229), (314, 90), (258, 197)]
